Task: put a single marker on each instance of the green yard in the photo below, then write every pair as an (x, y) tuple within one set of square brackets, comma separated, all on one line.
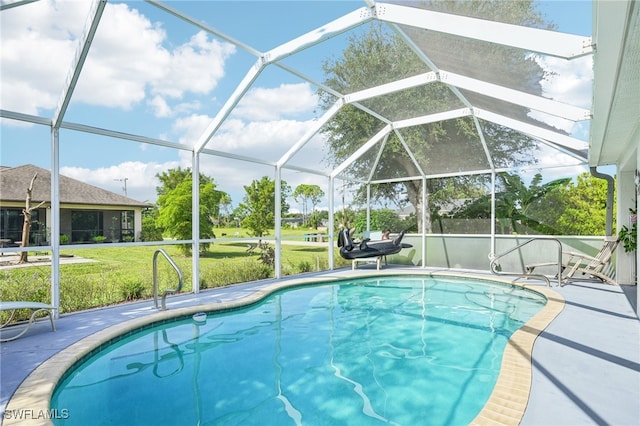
[(100, 275)]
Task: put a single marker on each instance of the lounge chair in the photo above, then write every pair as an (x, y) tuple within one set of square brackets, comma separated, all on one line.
[(582, 266), (35, 307)]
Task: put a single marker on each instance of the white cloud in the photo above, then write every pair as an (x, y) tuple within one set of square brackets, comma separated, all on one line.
[(189, 129), (38, 44), (287, 100), (231, 176), (259, 140), (569, 82), (266, 138), (134, 61), (160, 106), (187, 107), (141, 177), (195, 67), (128, 55), (127, 59)]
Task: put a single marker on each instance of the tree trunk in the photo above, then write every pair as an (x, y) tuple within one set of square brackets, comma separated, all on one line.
[(26, 225), (414, 194)]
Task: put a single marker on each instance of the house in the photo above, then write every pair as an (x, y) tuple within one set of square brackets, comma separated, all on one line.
[(406, 211), (292, 222), (86, 211)]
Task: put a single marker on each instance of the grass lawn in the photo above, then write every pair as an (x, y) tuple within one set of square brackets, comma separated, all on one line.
[(292, 234), (118, 274)]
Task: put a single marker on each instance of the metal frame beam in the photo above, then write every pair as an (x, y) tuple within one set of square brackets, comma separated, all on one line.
[(91, 26), (332, 29), (547, 42), (527, 100), (361, 151), (533, 130)]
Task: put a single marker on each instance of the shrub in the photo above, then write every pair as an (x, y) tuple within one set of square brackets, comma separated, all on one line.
[(227, 272), (28, 284), (86, 291), (267, 255), (132, 289), (150, 232), (305, 266), (125, 274)]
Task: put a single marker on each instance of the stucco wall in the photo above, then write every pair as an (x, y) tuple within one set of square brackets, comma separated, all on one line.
[(472, 252)]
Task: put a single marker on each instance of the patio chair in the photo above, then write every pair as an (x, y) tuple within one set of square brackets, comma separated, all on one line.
[(582, 266), (35, 307)]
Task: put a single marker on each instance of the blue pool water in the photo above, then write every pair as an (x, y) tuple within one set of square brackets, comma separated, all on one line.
[(399, 350)]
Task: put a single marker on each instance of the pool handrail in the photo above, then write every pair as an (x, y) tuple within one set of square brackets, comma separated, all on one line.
[(155, 279), (493, 258)]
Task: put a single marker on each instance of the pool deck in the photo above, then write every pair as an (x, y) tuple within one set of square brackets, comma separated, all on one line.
[(586, 363)]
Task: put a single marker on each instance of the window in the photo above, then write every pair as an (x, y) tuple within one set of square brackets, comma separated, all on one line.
[(12, 220), (11, 224), (86, 224), (127, 224), (121, 226)]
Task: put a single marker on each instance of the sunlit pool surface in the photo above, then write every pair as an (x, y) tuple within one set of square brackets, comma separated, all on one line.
[(399, 350)]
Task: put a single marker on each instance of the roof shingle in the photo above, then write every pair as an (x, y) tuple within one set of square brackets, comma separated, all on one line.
[(14, 182)]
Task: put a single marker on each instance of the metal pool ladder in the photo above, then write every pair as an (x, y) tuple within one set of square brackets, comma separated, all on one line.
[(495, 267), (155, 279)]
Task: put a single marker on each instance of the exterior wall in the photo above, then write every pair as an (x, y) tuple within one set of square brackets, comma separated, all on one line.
[(626, 200), (472, 251), (65, 222), (137, 224), (109, 213)]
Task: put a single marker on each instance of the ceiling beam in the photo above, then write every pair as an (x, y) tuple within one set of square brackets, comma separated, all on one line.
[(526, 100), (85, 40), (332, 29), (533, 130), (547, 42)]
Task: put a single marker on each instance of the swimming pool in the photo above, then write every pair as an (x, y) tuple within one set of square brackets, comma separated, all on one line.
[(392, 349)]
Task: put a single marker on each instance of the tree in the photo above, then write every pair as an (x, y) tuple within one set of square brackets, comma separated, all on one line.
[(258, 207), (173, 177), (379, 220), (239, 214), (26, 224), (318, 217), (305, 193), (150, 230), (517, 206), (344, 218), (379, 57), (576, 208), (175, 205), (558, 207), (224, 210)]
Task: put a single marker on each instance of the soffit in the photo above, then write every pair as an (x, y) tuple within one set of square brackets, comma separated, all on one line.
[(617, 89)]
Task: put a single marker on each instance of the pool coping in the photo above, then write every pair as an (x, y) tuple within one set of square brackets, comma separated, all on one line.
[(508, 400), (506, 404)]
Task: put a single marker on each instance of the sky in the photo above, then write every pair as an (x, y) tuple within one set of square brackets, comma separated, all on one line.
[(151, 74)]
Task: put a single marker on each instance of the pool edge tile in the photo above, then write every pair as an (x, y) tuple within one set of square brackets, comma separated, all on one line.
[(514, 381)]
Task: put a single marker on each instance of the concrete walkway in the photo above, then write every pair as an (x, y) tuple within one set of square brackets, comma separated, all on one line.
[(586, 364)]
